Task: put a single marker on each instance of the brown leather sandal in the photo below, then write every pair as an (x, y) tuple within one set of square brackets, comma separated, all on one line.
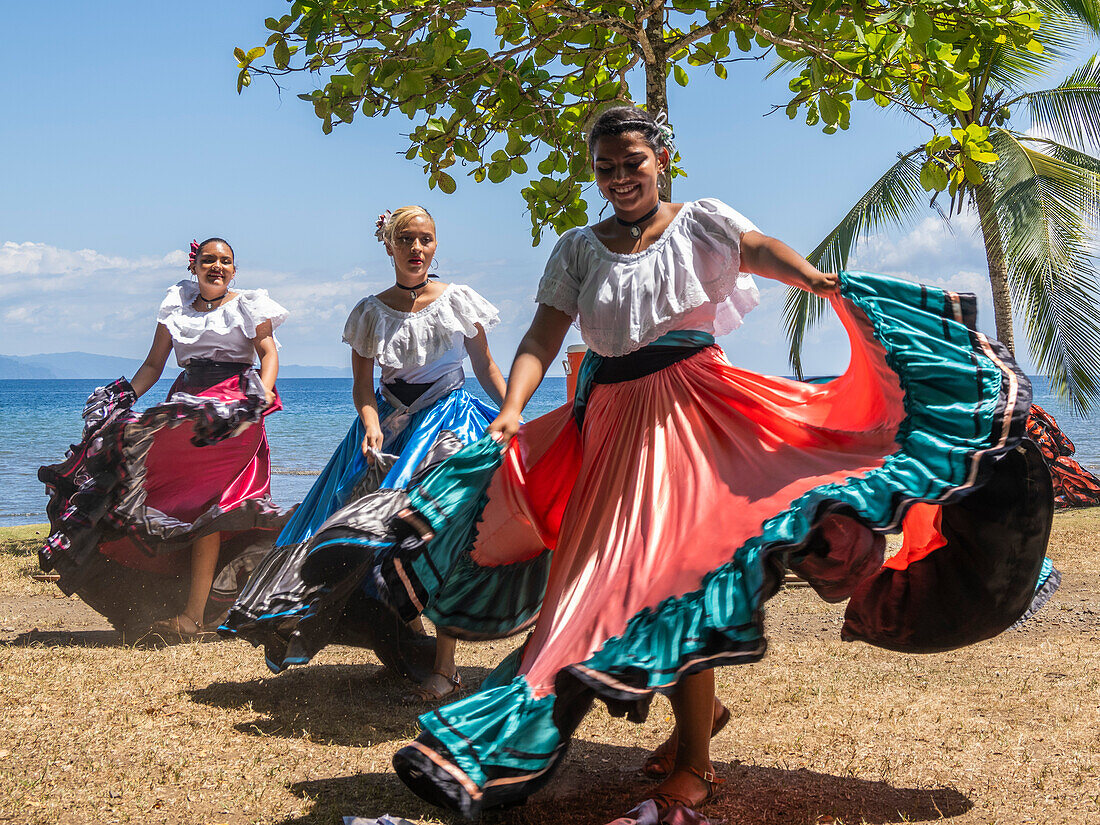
[(422, 694), (667, 800), (660, 762), (182, 625)]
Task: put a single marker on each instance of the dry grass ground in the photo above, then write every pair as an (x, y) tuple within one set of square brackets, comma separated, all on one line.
[(94, 731)]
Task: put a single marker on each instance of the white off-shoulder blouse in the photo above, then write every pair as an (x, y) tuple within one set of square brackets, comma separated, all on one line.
[(689, 278), (222, 334), (419, 347)]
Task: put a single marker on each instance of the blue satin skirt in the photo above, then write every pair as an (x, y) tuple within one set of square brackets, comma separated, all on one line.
[(459, 412)]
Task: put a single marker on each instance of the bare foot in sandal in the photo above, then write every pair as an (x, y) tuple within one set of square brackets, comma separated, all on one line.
[(686, 786), (659, 763), (438, 686), (182, 625)]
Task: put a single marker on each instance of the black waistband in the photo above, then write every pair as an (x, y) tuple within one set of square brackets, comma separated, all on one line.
[(407, 393), (203, 371), (640, 363)]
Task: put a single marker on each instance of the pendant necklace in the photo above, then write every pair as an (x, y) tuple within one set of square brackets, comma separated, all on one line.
[(635, 227), (412, 290), (210, 303)]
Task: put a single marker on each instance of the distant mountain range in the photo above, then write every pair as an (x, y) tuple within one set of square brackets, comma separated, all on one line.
[(89, 365)]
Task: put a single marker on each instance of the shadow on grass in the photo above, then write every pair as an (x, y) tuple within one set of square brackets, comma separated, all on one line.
[(66, 638), (102, 638), (600, 782), (349, 705)]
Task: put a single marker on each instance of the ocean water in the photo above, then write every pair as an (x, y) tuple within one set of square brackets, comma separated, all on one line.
[(40, 419)]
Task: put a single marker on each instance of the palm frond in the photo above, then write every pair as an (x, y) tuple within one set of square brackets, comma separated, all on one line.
[(1082, 169), (1065, 23), (1053, 280), (1087, 12), (1070, 112), (891, 201)]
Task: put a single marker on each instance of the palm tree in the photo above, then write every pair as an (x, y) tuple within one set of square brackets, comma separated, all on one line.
[(1038, 202)]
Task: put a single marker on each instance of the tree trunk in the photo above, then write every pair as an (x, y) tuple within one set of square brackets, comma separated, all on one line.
[(656, 92), (998, 271)]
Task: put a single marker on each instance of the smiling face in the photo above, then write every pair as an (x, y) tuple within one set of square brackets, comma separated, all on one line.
[(412, 249), (214, 268), (626, 169)]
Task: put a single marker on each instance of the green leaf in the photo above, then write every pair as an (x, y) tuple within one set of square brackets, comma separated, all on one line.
[(932, 176), (680, 74), (281, 54), (973, 175), (921, 30), (940, 143), (446, 183)]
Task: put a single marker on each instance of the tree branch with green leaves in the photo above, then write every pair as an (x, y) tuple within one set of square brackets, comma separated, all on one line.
[(1037, 199), (492, 87)]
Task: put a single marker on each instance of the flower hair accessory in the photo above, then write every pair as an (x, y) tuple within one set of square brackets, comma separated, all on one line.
[(193, 253), (380, 225), (667, 135)]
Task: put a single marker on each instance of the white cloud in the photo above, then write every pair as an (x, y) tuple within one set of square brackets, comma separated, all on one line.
[(57, 300)]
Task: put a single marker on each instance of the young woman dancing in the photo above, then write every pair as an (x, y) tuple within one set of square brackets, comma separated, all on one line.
[(666, 502), (138, 508), (417, 334)]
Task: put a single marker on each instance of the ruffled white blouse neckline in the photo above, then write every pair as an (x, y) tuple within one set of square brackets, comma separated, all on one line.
[(224, 333), (397, 339), (601, 248), (689, 278)]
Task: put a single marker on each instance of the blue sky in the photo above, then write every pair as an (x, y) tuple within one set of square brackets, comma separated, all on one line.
[(122, 137)]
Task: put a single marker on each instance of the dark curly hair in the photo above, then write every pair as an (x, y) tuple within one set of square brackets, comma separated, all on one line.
[(216, 240), (622, 119)]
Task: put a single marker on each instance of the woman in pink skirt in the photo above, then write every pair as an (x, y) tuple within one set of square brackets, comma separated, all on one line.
[(147, 509)]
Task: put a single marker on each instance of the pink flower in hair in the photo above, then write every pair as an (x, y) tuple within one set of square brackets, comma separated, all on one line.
[(193, 253)]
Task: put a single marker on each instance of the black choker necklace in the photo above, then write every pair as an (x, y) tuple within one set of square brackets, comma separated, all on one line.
[(210, 303), (635, 227), (413, 289)]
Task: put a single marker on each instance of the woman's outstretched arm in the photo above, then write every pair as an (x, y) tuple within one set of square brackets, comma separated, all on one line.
[(150, 371), (537, 351), (771, 258)]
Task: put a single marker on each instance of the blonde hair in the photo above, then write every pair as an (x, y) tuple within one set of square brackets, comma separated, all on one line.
[(400, 218)]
